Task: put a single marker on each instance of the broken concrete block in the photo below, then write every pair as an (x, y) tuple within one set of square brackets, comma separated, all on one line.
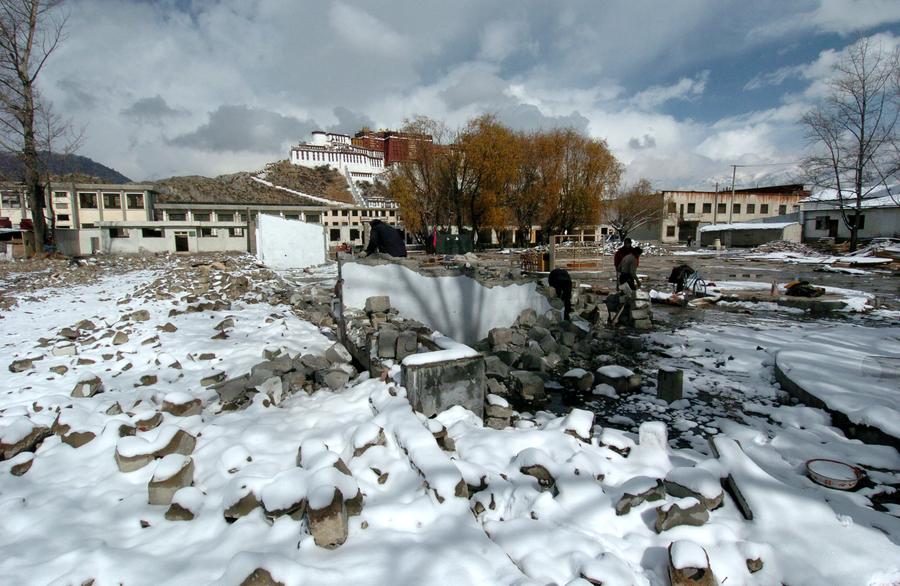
[(21, 436), (578, 379), (147, 380), (120, 338), (508, 357), (433, 387), (68, 333), (338, 353), (225, 324), (527, 385), (378, 304), (172, 473), (527, 318), (88, 386), (64, 349), (181, 404), (314, 362), (620, 378), (242, 507), (168, 328), (21, 365), (495, 368), (21, 463), (336, 379), (407, 345), (497, 407), (216, 377), (695, 482), (328, 516), (500, 338), (685, 511), (260, 577), (366, 436), (638, 490), (669, 384), (139, 315), (60, 369), (76, 439), (495, 387), (387, 342), (689, 565)]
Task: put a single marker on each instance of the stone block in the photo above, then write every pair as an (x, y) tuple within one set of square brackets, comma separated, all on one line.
[(527, 318), (508, 357), (620, 378), (681, 574), (314, 362), (336, 378), (433, 387), (495, 368), (378, 304), (387, 342), (328, 524), (20, 365), (407, 344), (527, 385), (500, 338), (337, 353), (173, 472), (495, 387), (669, 385), (88, 387), (687, 511)]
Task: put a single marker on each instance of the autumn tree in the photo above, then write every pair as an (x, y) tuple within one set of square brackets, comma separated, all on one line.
[(580, 173), (30, 30), (853, 133), (634, 206)]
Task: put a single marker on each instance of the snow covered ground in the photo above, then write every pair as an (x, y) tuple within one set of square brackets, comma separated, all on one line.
[(541, 505)]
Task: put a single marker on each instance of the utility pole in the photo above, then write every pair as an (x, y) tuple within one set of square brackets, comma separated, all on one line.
[(731, 208), (716, 203)]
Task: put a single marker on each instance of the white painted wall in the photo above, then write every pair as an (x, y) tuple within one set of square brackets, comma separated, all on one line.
[(289, 244), (458, 307)]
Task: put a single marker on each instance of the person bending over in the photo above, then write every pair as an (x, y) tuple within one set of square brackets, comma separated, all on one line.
[(386, 239)]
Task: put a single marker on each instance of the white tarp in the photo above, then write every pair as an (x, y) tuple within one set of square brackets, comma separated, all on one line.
[(289, 244)]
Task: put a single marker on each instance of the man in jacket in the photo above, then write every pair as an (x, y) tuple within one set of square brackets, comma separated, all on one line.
[(621, 253), (628, 269), (386, 239)]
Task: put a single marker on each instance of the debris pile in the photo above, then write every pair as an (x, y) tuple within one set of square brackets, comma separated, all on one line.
[(784, 246)]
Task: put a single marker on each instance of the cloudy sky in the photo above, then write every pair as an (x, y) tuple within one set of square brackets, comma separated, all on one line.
[(680, 90)]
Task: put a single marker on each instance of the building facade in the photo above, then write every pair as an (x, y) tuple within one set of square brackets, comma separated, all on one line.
[(397, 147), (820, 216), (685, 212), (336, 151)]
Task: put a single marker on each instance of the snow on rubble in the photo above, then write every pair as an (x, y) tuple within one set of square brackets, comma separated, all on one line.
[(307, 482)]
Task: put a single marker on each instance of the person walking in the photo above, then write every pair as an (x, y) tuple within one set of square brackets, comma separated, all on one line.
[(628, 269), (561, 281)]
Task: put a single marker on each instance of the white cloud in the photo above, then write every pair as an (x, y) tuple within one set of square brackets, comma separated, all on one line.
[(834, 16), (684, 89)]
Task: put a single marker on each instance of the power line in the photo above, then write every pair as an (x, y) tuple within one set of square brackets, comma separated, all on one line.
[(768, 164)]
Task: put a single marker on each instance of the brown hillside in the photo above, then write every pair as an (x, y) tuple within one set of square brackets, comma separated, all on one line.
[(241, 189)]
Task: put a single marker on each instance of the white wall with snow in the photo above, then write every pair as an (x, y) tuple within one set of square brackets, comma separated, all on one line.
[(289, 244), (459, 307)]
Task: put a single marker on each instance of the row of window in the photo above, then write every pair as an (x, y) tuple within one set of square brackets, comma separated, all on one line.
[(160, 233), (822, 222), (111, 201), (722, 208), (338, 157), (311, 218)]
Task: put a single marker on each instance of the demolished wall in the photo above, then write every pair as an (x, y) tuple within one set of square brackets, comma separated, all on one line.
[(456, 305), (289, 244)]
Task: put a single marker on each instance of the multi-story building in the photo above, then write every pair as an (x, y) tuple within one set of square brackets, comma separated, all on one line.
[(336, 151), (685, 212), (397, 147)]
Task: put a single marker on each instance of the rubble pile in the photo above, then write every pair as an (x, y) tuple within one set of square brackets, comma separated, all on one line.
[(784, 246)]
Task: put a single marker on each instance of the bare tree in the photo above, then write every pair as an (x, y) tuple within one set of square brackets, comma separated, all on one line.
[(854, 131), (633, 207), (30, 30)]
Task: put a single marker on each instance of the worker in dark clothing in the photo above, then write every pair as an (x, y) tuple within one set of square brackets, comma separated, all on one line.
[(560, 280), (622, 251), (679, 276), (386, 239), (628, 269)]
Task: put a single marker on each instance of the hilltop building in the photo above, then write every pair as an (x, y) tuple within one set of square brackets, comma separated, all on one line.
[(335, 150)]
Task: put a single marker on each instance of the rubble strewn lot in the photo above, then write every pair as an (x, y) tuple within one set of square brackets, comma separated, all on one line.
[(192, 420)]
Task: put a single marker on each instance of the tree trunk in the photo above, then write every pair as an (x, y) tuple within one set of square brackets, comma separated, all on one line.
[(32, 174)]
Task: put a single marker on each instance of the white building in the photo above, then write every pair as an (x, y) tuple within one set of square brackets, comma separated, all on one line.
[(820, 215), (335, 151)]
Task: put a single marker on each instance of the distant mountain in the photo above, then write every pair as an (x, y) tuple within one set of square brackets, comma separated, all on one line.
[(68, 167)]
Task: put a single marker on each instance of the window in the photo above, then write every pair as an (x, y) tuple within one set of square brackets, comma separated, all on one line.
[(764, 208), (312, 218), (239, 217), (223, 217), (821, 222), (672, 207), (118, 233), (692, 208), (736, 208), (177, 216), (751, 208), (62, 217), (11, 199), (354, 234), (392, 213), (207, 232), (135, 200), (334, 234), (112, 201), (782, 210), (202, 217), (87, 200), (853, 220), (345, 213), (151, 232), (670, 230), (235, 232), (707, 208), (87, 225), (60, 194), (61, 205), (720, 208), (354, 213)]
